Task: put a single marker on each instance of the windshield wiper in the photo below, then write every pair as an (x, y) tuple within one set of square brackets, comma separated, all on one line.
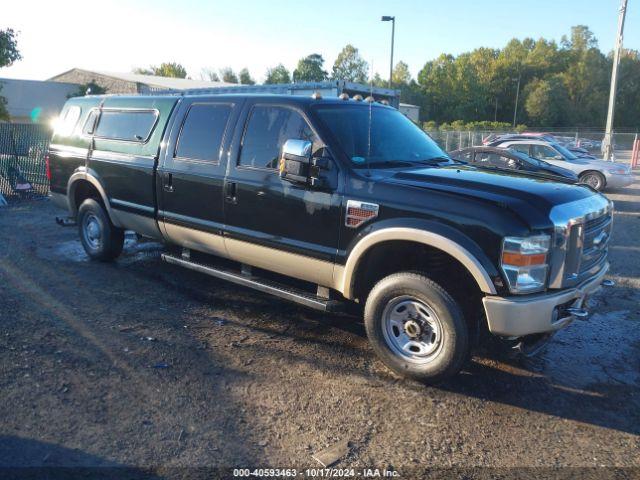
[(438, 160), (388, 164)]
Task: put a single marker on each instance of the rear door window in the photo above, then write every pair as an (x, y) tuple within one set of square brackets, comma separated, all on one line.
[(520, 147), (203, 132), (90, 122), (268, 128), (67, 123), (126, 125)]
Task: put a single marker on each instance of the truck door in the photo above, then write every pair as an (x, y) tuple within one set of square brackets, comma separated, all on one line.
[(271, 223), (191, 175)]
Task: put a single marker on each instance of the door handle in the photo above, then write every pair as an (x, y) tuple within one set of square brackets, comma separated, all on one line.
[(167, 182), (231, 192)]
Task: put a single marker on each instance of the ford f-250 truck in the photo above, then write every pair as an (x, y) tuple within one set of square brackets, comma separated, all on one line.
[(331, 201)]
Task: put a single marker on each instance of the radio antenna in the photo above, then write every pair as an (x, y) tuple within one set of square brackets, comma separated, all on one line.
[(370, 117)]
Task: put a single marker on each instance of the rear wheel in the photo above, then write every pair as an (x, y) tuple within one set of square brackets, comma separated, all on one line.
[(416, 328), (593, 179), (100, 238)]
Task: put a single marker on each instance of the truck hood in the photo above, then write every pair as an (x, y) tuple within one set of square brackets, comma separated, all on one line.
[(529, 198)]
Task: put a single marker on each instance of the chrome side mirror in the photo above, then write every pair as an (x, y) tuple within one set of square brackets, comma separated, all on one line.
[(295, 160)]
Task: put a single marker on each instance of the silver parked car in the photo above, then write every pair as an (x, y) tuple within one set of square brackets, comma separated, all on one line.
[(595, 172)]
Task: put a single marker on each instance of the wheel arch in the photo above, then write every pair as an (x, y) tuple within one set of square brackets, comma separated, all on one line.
[(592, 170), (83, 184), (457, 246)]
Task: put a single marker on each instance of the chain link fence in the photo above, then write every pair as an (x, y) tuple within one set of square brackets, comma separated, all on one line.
[(591, 141), (22, 166)]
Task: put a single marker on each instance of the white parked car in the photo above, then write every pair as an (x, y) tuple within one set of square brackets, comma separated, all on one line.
[(595, 172)]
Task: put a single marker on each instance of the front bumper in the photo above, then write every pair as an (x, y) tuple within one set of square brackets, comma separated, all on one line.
[(539, 313), (615, 180)]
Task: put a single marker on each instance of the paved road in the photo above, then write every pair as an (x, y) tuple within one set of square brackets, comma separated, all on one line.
[(142, 364)]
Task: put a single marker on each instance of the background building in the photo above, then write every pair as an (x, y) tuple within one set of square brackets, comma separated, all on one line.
[(34, 100), (412, 112), (132, 82)]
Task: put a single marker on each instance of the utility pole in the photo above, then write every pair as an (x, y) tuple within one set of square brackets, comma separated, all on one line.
[(515, 109), (391, 19), (607, 147)]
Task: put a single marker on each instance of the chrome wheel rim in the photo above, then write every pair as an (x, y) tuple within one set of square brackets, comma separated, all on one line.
[(92, 231), (412, 329), (592, 181)]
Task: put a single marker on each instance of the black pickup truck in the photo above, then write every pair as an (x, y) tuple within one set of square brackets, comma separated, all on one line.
[(333, 202)]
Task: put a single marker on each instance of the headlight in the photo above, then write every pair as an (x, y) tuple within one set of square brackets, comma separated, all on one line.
[(619, 171), (524, 262)]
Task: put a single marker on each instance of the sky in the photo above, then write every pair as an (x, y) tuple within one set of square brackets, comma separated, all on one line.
[(119, 35)]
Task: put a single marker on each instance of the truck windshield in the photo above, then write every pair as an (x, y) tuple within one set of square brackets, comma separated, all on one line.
[(379, 137)]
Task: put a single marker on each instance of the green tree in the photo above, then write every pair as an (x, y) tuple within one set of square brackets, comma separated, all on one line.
[(91, 88), (350, 66), (310, 69), (209, 74), (547, 102), (278, 74), (628, 99), (378, 81), (586, 77), (245, 77), (582, 39), (228, 75), (9, 54), (167, 69), (401, 75), (437, 81)]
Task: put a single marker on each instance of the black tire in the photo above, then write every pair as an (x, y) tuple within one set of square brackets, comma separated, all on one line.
[(392, 293), (100, 238), (594, 179)]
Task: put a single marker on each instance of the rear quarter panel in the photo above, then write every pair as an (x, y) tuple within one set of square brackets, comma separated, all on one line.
[(68, 150)]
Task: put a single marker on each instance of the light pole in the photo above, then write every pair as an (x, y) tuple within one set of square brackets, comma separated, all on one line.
[(515, 109), (387, 18), (607, 149)]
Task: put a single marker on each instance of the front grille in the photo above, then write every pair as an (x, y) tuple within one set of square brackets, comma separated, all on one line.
[(598, 222), (582, 229), (595, 247)]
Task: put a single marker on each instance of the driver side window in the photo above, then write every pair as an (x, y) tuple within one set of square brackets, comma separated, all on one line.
[(269, 127)]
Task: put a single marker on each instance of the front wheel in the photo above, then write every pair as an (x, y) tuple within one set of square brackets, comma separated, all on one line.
[(593, 179), (100, 238), (416, 328)]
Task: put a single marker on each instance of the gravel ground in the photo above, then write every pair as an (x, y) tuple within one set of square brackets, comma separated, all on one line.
[(149, 366)]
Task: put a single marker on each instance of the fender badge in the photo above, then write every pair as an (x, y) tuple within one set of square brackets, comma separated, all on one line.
[(359, 212)]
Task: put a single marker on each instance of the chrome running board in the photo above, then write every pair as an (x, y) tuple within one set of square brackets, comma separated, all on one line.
[(247, 280)]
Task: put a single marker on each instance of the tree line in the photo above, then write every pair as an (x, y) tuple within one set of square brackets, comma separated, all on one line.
[(556, 85), (348, 66)]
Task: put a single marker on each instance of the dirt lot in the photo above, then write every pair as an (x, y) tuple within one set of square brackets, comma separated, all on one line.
[(146, 365)]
